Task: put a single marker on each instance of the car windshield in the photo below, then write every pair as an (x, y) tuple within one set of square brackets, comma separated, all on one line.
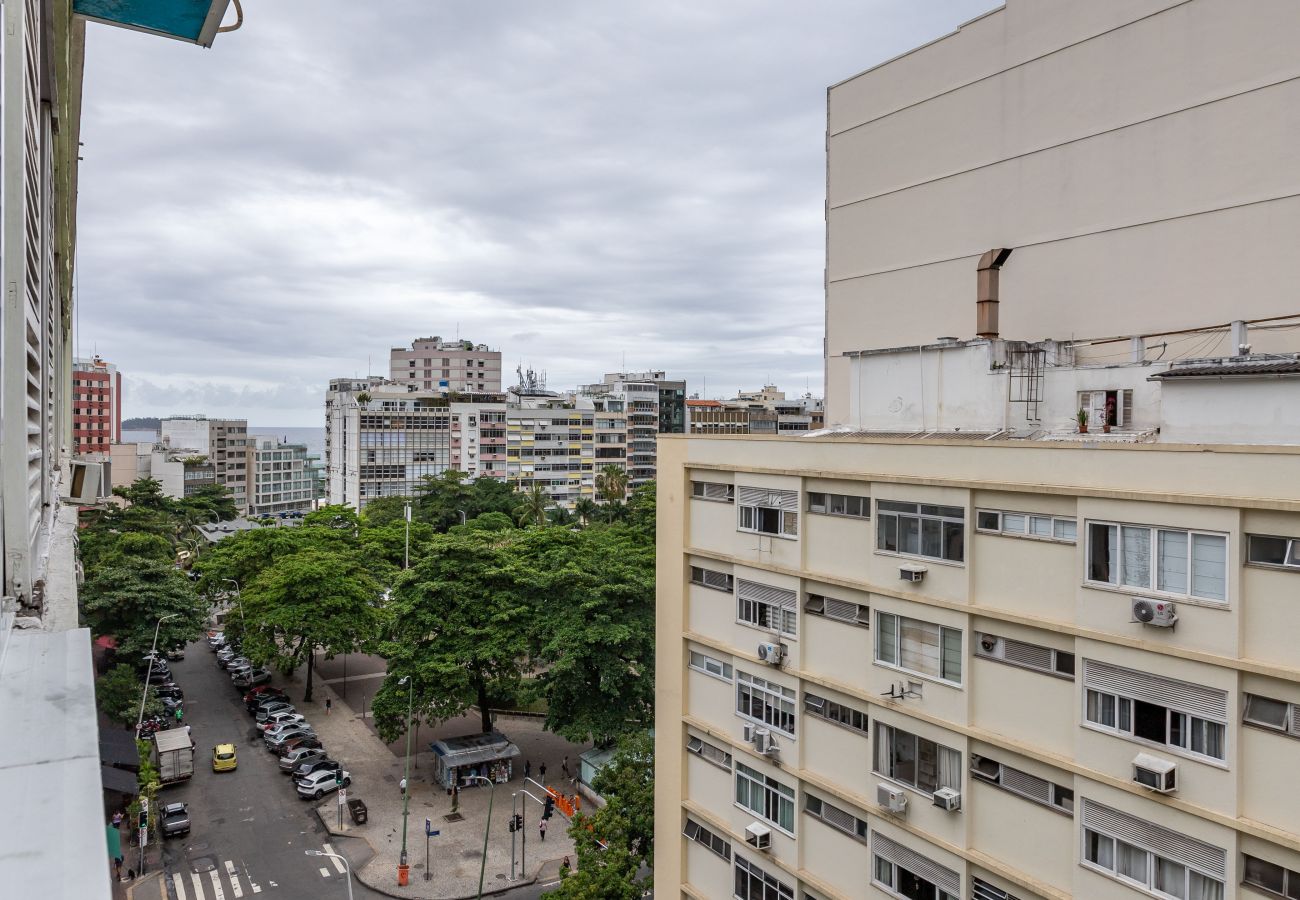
[(225, 756)]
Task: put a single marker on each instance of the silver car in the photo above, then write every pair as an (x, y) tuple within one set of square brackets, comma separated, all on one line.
[(271, 709), (290, 760)]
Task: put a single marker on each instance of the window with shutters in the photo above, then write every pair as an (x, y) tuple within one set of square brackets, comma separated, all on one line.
[(765, 511), (765, 702), (840, 610), (1270, 877), (922, 648), (703, 749), (1062, 529), (835, 817), (1113, 408), (982, 890), (903, 872), (1275, 552), (1178, 563), (1047, 660), (838, 713), (752, 883), (1184, 718), (766, 607), (712, 490), (711, 578), (1275, 715), (916, 761), (710, 666), (717, 845), (851, 505), (1031, 787), (921, 529), (765, 797), (1149, 856)]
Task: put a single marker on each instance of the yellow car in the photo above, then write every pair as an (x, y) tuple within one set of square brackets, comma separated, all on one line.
[(223, 758)]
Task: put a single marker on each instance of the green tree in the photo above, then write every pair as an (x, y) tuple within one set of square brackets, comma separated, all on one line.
[(616, 842), (383, 511), (242, 557), (117, 694), (491, 495), (611, 483), (641, 509), (442, 499), (145, 493), (460, 623), (585, 509), (314, 600), (488, 521), (213, 501), (388, 542), (558, 515), (127, 602), (337, 517), (532, 508)]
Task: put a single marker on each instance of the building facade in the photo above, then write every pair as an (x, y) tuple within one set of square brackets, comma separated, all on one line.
[(224, 441), (281, 478), (96, 406), (434, 364), (755, 412), (653, 404), (551, 444)]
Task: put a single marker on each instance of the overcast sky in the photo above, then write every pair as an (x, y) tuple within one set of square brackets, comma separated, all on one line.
[(582, 185)]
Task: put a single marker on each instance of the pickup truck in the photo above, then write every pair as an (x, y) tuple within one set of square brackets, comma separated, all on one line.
[(173, 754), (175, 819)]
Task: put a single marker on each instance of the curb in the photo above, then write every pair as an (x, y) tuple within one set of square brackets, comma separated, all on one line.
[(141, 882), (392, 891)]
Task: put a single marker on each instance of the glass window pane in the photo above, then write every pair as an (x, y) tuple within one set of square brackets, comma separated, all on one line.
[(835, 504), (887, 533), (954, 541), (932, 538), (1040, 526), (1205, 888), (1171, 878), (987, 520), (1263, 711), (909, 534), (887, 639), (1013, 523), (1102, 540), (1267, 875), (1099, 849), (951, 660), (816, 502), (1131, 861), (1136, 565), (1064, 529), (1209, 566), (1171, 567)]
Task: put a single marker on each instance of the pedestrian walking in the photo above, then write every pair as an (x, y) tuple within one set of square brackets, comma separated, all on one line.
[(564, 767), (528, 768), (117, 868), (564, 867), (541, 773), (117, 819), (329, 704), (541, 828), (402, 785), (180, 714)]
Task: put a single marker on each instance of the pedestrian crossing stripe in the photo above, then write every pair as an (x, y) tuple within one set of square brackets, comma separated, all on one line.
[(193, 886)]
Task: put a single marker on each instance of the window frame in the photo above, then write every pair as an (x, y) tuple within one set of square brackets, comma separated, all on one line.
[(766, 884), (787, 521), (709, 843), (705, 572), (829, 499), (820, 707), (701, 745), (918, 512), (1058, 656), (1154, 551), (885, 744), (1052, 521), (882, 635), (1148, 885), (725, 670), (891, 887), (815, 605), (1056, 799), (1290, 726), (700, 491), (861, 828), (776, 796), (1290, 555), (745, 682), (1290, 888), (1126, 709)]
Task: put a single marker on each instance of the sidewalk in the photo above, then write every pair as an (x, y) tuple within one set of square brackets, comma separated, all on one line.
[(456, 853)]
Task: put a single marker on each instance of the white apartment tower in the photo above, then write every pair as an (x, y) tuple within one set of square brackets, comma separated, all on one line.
[(435, 364), (1022, 624), (280, 479), (226, 444)]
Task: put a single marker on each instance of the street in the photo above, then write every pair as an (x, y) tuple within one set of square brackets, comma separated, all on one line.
[(249, 829)]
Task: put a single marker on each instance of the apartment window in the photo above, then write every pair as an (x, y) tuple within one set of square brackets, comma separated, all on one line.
[(768, 511), (1031, 787), (765, 797), (919, 647), (710, 666), (1113, 408), (982, 890), (1270, 877), (752, 883), (765, 702), (710, 490), (1263, 550), (1150, 857), (905, 873), (1275, 715), (1172, 561), (1028, 656), (835, 712), (836, 817), (840, 610), (1029, 525), (915, 761), (703, 749), (839, 505), (1173, 714), (710, 578), (766, 607), (694, 831), (921, 529)]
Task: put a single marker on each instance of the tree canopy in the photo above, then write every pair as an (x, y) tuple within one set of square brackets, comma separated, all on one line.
[(128, 599)]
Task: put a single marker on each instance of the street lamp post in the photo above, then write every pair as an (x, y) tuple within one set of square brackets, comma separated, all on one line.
[(487, 827), (347, 864), (240, 600), (144, 692), (403, 871), (406, 555)]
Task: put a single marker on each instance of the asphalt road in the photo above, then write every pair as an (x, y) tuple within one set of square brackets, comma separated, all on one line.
[(249, 829)]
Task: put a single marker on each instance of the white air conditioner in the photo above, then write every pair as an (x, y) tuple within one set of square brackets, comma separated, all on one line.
[(1154, 612), (891, 798), (764, 743), (85, 485), (749, 732), (772, 654), (758, 836), (948, 799), (912, 572), (1155, 773)]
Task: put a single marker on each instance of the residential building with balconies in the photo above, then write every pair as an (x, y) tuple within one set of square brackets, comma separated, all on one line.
[(96, 407), (436, 364), (224, 442)]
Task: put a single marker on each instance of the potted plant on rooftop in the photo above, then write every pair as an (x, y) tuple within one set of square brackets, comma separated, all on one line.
[(1110, 415), (1082, 418), (363, 399)]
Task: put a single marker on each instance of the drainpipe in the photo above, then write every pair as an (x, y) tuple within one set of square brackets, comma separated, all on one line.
[(986, 293)]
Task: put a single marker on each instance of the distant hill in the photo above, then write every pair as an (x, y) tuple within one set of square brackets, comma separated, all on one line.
[(144, 423)]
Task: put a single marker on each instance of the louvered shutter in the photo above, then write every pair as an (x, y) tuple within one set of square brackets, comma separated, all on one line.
[(943, 878), (842, 610), (1030, 655), (839, 818), (1205, 858), (1026, 784), (786, 501), (1208, 703), (765, 593), (982, 890)]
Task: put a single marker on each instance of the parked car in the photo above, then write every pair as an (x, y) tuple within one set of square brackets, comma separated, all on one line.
[(291, 760), (280, 719), (319, 784), (274, 734), (275, 743), (223, 758), (216, 639), (252, 677), (263, 692), (176, 653), (160, 678), (235, 669), (300, 743), (235, 661), (307, 768), (266, 710), (175, 819)]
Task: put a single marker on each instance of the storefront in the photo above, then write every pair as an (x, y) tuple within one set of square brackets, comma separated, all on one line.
[(457, 761)]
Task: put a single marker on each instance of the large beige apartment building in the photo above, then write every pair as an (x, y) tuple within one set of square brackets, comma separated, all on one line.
[(224, 442), (435, 364), (1022, 625)]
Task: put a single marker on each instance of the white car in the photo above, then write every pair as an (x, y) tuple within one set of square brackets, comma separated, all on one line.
[(318, 784), (280, 721)]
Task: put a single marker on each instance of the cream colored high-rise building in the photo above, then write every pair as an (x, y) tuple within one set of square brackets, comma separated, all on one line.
[(434, 364), (1024, 625)]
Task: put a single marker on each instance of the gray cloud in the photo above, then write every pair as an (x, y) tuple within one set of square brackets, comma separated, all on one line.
[(576, 183)]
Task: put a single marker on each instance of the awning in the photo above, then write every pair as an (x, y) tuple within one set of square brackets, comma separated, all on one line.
[(193, 21), (119, 780), (117, 748)]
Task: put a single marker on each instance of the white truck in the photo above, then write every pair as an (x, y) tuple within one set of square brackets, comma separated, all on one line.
[(173, 754)]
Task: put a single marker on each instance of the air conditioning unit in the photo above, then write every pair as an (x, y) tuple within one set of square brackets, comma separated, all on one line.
[(1154, 612), (772, 654), (758, 836), (85, 487), (1157, 774), (764, 743), (891, 798), (749, 732), (912, 572), (948, 799)]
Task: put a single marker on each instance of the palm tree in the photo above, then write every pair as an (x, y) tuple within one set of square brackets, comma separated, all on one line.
[(558, 515), (584, 509), (611, 483), (532, 510)]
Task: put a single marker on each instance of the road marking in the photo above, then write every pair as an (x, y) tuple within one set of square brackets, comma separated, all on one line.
[(198, 886), (216, 885), (180, 886), (324, 872), (235, 887), (338, 864)]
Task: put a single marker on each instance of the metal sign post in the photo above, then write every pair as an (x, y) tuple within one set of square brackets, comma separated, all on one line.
[(343, 797), (429, 832)]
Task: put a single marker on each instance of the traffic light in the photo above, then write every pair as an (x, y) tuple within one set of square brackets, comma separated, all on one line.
[(516, 822), (549, 807), (144, 815), (338, 776)]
